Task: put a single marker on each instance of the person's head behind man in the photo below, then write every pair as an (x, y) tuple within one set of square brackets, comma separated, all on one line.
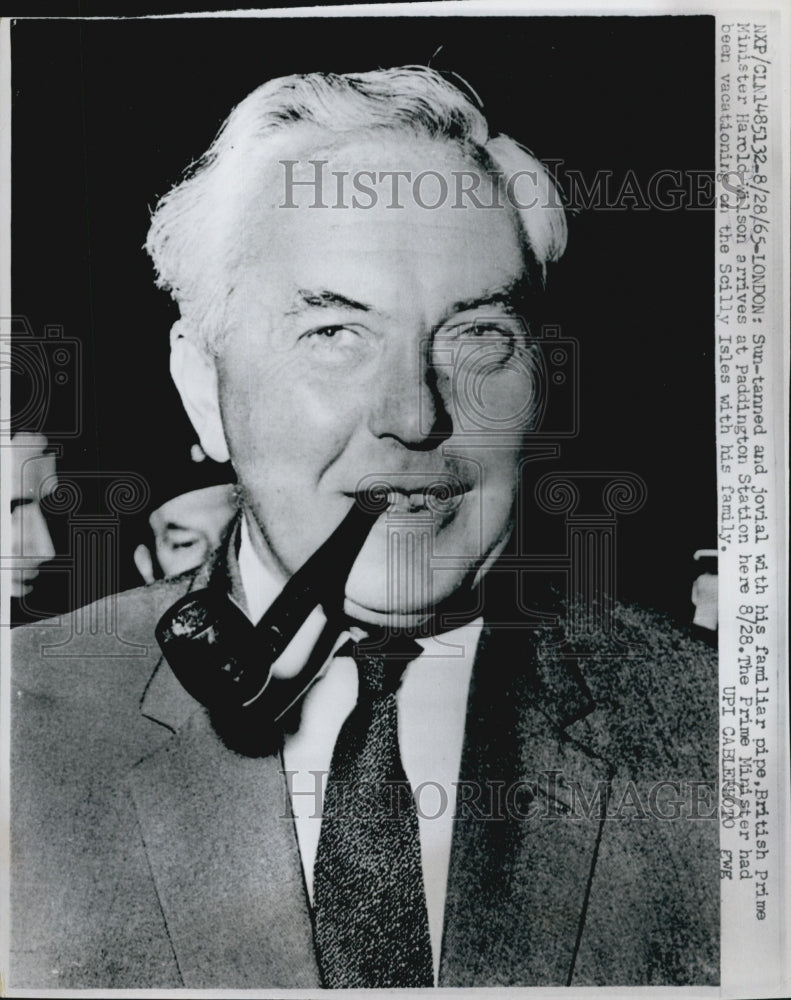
[(32, 479), (325, 348), (184, 531)]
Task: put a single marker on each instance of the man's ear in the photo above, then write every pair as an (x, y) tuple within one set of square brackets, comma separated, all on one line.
[(194, 372), (144, 563)]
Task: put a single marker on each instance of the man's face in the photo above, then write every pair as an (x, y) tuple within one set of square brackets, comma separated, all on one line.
[(33, 478), (379, 344), (188, 527)]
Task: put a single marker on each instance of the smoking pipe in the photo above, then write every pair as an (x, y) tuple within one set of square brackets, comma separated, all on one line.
[(224, 661)]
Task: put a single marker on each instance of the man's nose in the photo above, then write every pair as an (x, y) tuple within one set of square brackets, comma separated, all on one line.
[(36, 540), (409, 406)]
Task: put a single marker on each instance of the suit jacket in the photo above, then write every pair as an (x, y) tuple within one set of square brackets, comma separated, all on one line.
[(147, 854)]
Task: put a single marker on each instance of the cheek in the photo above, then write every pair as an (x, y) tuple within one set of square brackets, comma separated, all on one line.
[(499, 401), (282, 423)]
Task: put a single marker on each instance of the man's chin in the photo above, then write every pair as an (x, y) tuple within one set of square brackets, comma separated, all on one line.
[(389, 619), (413, 595), (404, 609)]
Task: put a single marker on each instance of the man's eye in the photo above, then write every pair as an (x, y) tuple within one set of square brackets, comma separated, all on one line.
[(337, 345), (491, 340), (336, 335), (180, 540), (488, 329), (184, 545)]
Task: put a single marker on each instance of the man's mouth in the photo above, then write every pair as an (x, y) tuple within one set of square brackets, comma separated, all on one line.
[(403, 503), (407, 495)]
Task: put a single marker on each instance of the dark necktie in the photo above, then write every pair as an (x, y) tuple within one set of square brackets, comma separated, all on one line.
[(371, 922)]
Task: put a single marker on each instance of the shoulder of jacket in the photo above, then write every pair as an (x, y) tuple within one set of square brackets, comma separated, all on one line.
[(116, 631)]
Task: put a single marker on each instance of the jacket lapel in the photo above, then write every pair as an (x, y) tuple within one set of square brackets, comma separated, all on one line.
[(222, 850), (521, 863), (224, 857)]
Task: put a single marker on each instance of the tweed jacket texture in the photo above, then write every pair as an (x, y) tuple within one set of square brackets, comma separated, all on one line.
[(145, 853)]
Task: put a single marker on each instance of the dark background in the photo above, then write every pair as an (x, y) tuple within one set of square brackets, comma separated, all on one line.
[(106, 115)]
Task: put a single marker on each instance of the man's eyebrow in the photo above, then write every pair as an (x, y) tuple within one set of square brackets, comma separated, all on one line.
[(510, 295), (323, 298)]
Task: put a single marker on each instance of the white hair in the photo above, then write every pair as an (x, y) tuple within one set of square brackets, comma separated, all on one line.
[(190, 238)]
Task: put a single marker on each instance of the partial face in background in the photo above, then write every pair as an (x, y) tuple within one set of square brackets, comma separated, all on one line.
[(33, 478), (185, 529), (382, 345)]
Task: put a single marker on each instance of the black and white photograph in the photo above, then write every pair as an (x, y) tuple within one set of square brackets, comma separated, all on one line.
[(361, 517)]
